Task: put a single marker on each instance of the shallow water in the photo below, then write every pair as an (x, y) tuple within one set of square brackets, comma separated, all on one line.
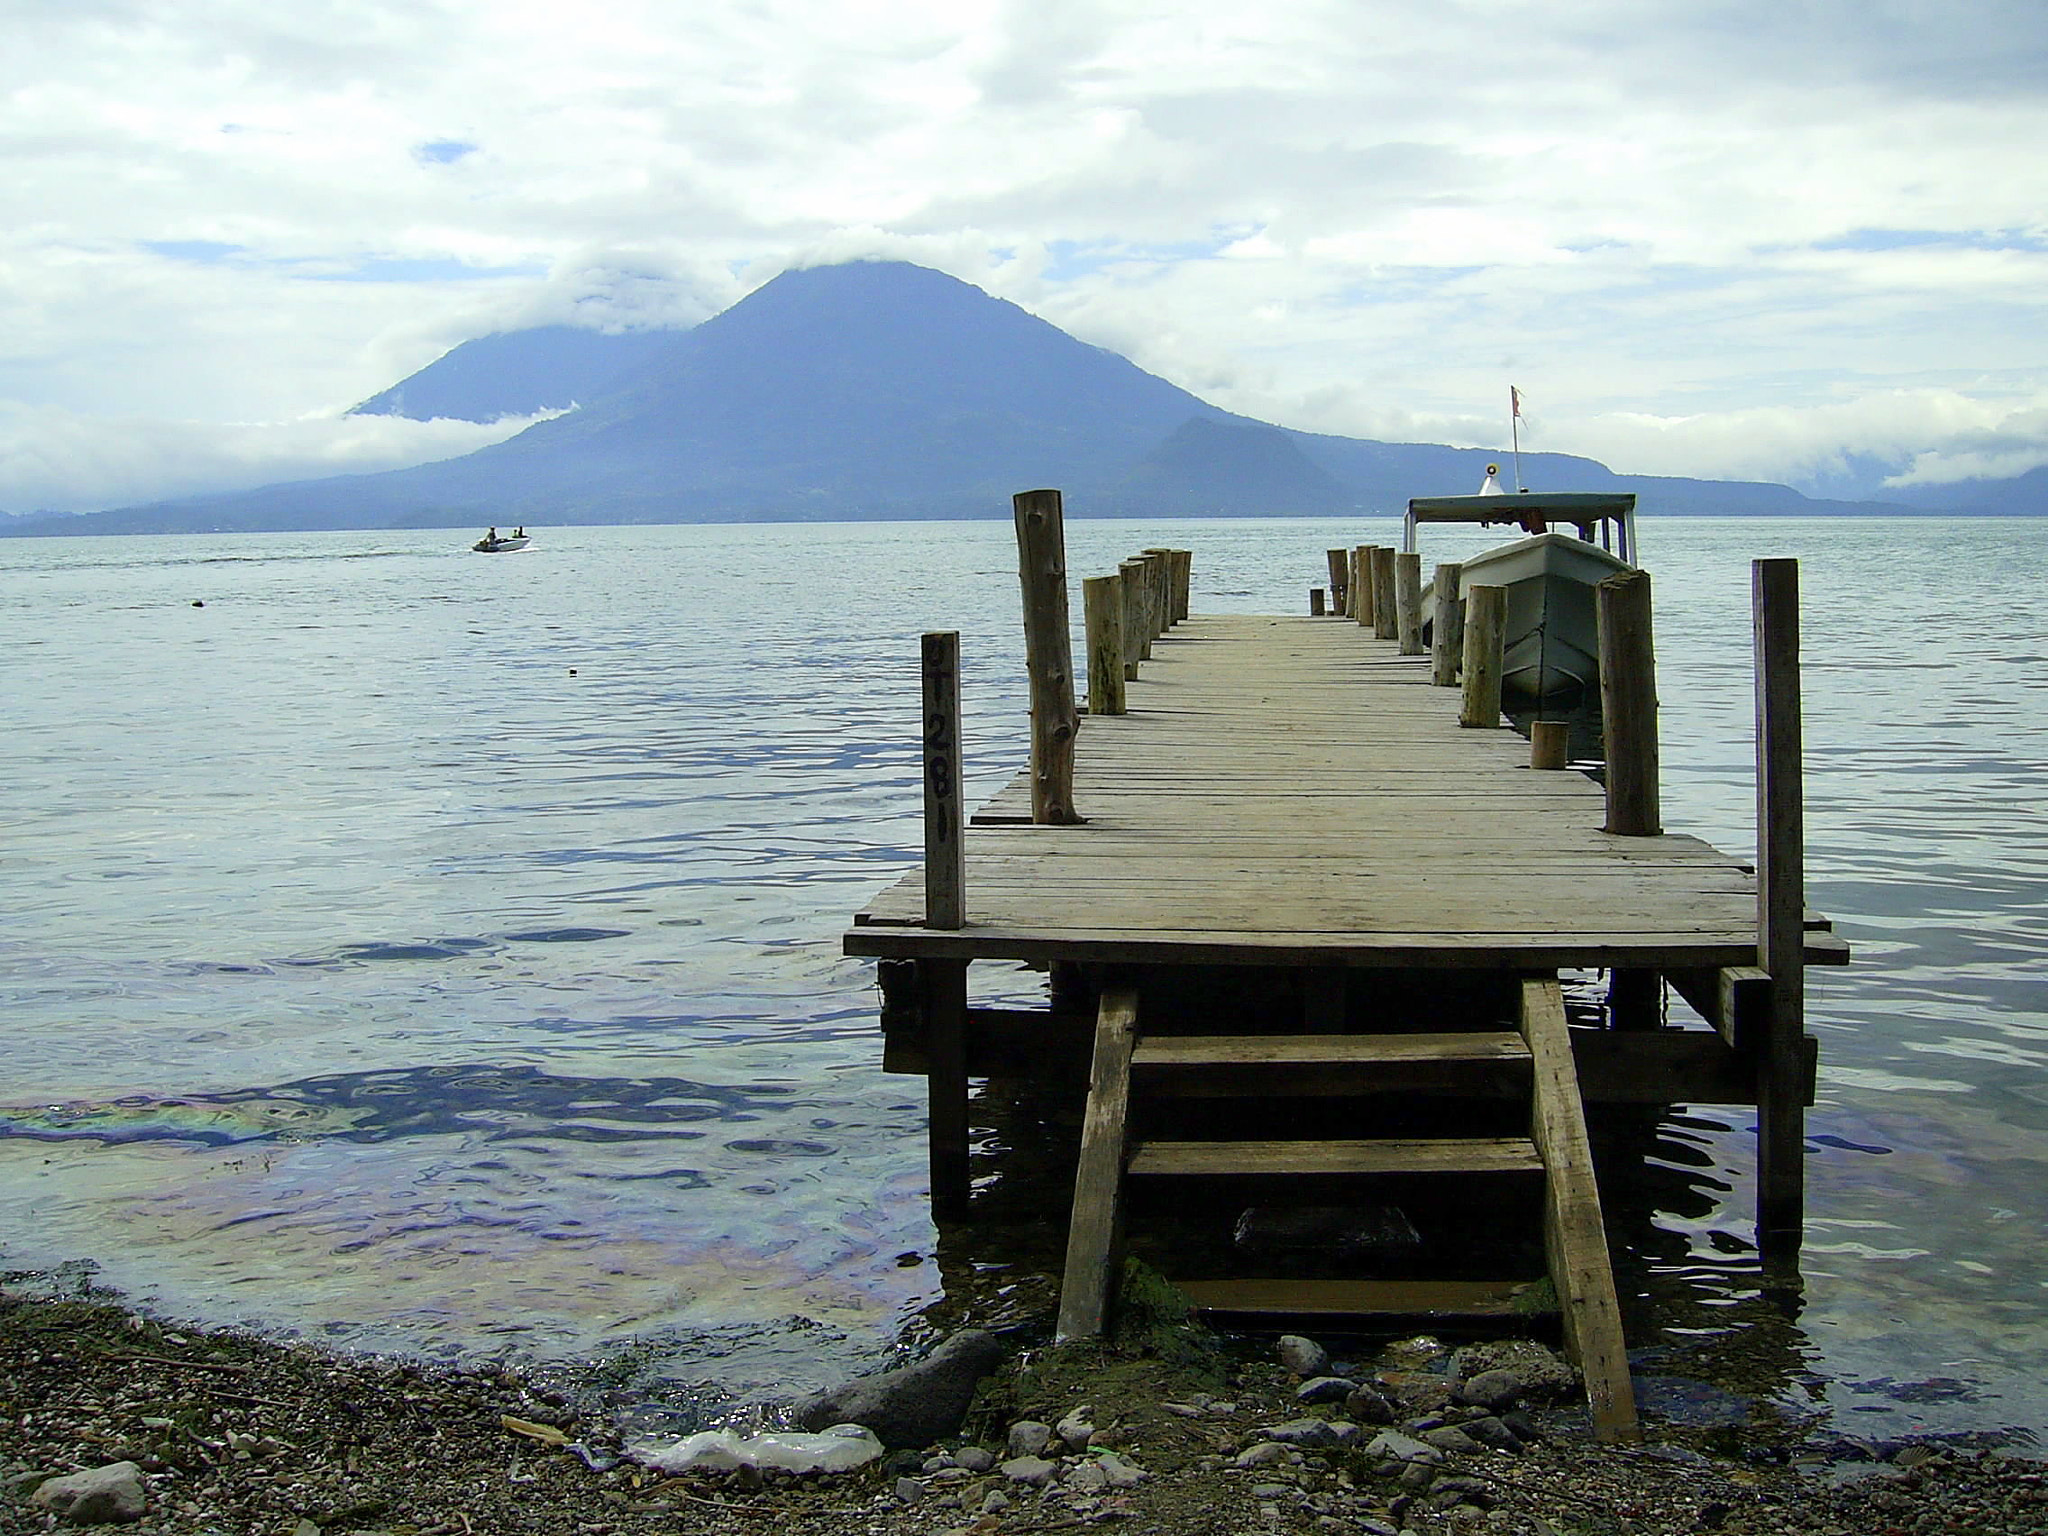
[(427, 952)]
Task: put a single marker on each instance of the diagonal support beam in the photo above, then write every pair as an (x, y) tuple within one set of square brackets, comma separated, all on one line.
[(1095, 1230), (1574, 1235)]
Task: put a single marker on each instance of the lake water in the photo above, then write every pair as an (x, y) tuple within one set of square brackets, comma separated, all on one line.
[(421, 952)]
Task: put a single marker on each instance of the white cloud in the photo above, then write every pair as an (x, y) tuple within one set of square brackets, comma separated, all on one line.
[(1752, 223), (54, 460)]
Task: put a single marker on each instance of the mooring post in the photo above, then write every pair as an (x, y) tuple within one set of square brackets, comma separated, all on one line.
[(1384, 622), (1048, 655), (1447, 626), (945, 881), (1102, 607), (1183, 573), (1781, 908), (1628, 703), (1339, 562), (1315, 602), (1136, 647), (1486, 611), (1408, 602), (1361, 583), (1549, 744), (1161, 561)]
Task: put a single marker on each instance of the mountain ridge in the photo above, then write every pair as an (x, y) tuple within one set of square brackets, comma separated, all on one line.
[(866, 390)]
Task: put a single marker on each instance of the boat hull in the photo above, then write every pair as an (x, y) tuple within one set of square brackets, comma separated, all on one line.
[(498, 546), (1551, 638)]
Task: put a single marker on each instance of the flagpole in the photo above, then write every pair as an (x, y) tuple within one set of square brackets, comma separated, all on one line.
[(1515, 428)]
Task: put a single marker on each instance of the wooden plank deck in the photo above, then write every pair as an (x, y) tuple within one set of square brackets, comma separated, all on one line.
[(1292, 792)]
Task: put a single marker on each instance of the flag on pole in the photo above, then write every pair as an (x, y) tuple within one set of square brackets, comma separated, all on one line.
[(1514, 402)]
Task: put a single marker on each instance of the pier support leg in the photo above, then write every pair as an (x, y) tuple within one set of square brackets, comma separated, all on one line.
[(1635, 999), (1781, 912), (943, 988), (1095, 1231)]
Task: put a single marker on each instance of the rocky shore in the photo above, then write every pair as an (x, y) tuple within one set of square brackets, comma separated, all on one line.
[(110, 1417)]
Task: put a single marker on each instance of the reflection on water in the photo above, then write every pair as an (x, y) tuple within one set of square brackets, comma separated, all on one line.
[(440, 954)]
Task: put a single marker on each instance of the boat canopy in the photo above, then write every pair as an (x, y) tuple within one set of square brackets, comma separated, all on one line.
[(1612, 515)]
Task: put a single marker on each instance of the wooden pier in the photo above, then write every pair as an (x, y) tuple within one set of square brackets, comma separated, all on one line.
[(1285, 875)]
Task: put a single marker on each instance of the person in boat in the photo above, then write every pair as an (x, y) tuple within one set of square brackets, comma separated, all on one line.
[(519, 532), (492, 536)]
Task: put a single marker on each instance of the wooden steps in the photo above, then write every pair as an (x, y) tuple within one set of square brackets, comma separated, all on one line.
[(1332, 1159), (1372, 1301), (1556, 1155)]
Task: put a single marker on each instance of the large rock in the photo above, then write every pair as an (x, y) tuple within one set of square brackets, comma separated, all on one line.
[(917, 1404), (103, 1496)]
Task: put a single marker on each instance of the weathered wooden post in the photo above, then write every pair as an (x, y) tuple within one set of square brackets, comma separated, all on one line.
[(1102, 607), (1339, 562), (1549, 744), (1486, 610), (1160, 561), (1315, 602), (945, 901), (1383, 615), (1628, 704), (1447, 627), (1136, 647), (1183, 573), (941, 985), (1361, 583), (1408, 602), (1048, 655), (1781, 908)]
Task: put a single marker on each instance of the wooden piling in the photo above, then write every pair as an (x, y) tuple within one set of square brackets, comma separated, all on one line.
[(1183, 574), (1339, 562), (1486, 610), (942, 1001), (1136, 647), (1048, 655), (1315, 602), (1447, 626), (1408, 602), (1383, 614), (945, 883), (1628, 704), (1549, 744), (1361, 583), (1781, 907), (1102, 607)]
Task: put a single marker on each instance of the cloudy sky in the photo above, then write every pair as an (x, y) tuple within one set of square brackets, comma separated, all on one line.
[(1803, 240)]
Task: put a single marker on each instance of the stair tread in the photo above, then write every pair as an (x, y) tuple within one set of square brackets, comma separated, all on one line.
[(1370, 1298), (1502, 1154), (1198, 1051)]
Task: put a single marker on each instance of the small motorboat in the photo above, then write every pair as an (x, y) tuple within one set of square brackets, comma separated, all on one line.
[(495, 543), (1551, 645)]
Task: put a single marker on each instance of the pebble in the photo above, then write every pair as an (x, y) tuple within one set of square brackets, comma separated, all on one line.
[(1324, 1389), (103, 1496), (974, 1458), (1075, 1430), (1264, 1454), (1304, 1357), (1310, 1432), (1032, 1471), (908, 1490), (1391, 1445), (1028, 1437)]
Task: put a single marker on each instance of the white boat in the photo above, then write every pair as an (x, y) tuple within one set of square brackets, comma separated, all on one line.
[(494, 543), (1551, 647)]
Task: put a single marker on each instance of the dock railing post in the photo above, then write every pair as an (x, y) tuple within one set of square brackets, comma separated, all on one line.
[(1408, 602), (1781, 908), (1339, 562), (1048, 655), (945, 884), (1102, 606), (1447, 626), (1486, 609), (1384, 624), (1628, 704)]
